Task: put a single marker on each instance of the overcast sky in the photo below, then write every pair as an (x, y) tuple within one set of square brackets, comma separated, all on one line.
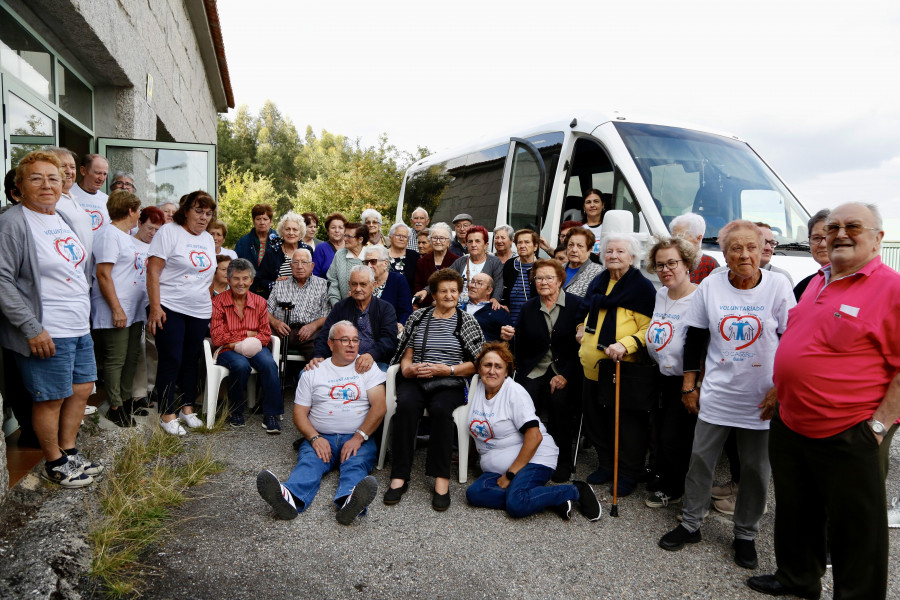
[(814, 87)]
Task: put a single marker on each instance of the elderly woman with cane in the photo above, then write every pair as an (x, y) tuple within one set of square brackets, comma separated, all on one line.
[(734, 322), (619, 305)]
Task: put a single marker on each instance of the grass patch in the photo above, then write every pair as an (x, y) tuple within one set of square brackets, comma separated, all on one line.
[(149, 479), (219, 423)]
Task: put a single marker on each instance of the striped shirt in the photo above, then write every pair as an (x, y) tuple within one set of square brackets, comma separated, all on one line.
[(518, 293), (310, 301), (442, 346), (227, 327)]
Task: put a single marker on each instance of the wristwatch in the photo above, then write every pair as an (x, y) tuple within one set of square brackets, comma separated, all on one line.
[(314, 438), (364, 436), (510, 475), (877, 426)]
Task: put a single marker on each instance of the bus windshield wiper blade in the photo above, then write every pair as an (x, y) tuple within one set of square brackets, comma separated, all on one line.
[(794, 246)]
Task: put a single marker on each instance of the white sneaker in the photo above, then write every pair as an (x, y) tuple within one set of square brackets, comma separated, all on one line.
[(173, 427), (191, 420), (89, 410), (893, 515)]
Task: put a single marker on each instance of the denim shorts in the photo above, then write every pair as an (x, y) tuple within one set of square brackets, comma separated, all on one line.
[(52, 378)]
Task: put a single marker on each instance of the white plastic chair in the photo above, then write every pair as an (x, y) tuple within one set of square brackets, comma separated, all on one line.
[(460, 418), (215, 374)]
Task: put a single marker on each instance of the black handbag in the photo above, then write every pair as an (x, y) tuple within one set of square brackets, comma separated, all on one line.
[(445, 382), (638, 385)]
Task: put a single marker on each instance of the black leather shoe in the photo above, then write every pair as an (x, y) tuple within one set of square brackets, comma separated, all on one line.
[(394, 495), (440, 502), (678, 537), (769, 584), (745, 553)]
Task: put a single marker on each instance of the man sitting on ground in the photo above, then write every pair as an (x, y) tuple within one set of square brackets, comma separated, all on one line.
[(479, 305), (302, 303), (336, 409)]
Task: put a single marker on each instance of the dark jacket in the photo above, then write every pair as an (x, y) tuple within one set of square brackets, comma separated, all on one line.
[(425, 268), (267, 270), (491, 321), (396, 293), (512, 276), (409, 267), (532, 338), (384, 327)]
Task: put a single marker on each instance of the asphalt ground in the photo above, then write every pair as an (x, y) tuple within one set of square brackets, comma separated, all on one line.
[(229, 545)]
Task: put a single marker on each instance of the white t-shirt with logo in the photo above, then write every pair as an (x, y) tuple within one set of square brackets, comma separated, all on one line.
[(744, 327), (190, 265), (338, 396), (61, 257), (140, 309), (665, 338), (77, 215), (112, 245), (595, 229), (472, 270), (93, 204), (495, 424)]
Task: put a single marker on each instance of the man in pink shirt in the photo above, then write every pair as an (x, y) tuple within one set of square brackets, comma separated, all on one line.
[(837, 376)]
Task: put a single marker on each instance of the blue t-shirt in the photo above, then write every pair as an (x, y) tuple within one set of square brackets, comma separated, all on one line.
[(570, 273)]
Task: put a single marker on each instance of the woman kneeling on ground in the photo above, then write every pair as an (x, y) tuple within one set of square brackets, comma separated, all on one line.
[(517, 455)]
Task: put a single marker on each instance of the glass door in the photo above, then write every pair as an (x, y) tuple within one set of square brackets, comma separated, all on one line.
[(29, 122), (163, 171), (526, 187)]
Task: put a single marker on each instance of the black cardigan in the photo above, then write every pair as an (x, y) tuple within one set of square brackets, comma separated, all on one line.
[(532, 338), (512, 276)]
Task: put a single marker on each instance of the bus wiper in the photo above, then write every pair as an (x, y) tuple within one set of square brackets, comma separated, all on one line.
[(711, 240), (794, 246)]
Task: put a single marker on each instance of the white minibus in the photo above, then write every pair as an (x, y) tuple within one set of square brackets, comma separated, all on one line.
[(536, 176)]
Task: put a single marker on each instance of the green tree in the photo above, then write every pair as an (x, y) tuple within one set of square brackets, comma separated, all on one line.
[(239, 191)]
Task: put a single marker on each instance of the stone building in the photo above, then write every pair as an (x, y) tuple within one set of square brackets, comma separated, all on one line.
[(139, 81)]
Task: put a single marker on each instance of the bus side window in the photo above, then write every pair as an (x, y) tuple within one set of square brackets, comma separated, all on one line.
[(591, 168), (623, 199)]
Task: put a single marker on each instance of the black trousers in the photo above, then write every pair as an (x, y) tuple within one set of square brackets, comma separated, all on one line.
[(411, 404), (676, 437), (599, 428), (831, 487), (563, 408)]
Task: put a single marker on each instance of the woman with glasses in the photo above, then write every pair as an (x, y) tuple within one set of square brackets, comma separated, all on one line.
[(672, 259), (390, 285), (291, 231), (518, 286), (734, 324), (580, 269), (817, 247), (403, 260), (545, 347), (619, 304), (180, 268), (372, 221), (346, 258), (439, 258), (479, 261), (436, 352)]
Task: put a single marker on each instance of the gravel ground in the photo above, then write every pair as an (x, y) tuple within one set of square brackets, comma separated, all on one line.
[(230, 545)]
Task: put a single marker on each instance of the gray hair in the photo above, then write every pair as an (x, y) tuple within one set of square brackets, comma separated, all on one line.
[(817, 218), (291, 216), (694, 223), (294, 253), (394, 227), (370, 213), (418, 209), (240, 264), (382, 252), (343, 323), (58, 150), (121, 174), (364, 269), (634, 246), (167, 204), (510, 232), (437, 226)]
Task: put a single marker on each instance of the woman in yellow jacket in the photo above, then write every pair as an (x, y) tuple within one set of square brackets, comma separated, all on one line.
[(619, 305)]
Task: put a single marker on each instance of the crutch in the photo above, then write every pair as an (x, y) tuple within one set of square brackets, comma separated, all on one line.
[(286, 309), (614, 510)]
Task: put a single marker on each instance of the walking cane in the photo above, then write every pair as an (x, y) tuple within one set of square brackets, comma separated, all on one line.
[(614, 510), (577, 442)]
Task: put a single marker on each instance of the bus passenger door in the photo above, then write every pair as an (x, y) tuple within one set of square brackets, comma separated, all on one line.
[(524, 187)]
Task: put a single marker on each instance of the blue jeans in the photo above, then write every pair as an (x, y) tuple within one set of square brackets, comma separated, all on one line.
[(306, 477), (526, 494), (239, 367)]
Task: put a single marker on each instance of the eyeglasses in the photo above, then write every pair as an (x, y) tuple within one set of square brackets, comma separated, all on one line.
[(545, 278), (772, 243), (400, 236), (815, 240), (202, 212), (670, 265), (346, 341), (372, 261), (440, 240), (350, 236), (476, 283), (122, 184), (852, 229), (305, 263), (37, 180)]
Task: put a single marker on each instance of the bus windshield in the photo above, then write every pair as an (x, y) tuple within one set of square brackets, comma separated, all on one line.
[(717, 177)]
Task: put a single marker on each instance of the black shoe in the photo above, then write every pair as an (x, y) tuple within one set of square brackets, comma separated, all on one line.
[(625, 487), (562, 474), (361, 496), (678, 537), (564, 510), (769, 584), (600, 476), (278, 496), (588, 503), (745, 553), (138, 406), (120, 417), (394, 495), (297, 443), (440, 502), (654, 484)]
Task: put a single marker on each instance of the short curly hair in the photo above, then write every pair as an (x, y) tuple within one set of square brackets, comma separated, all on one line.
[(502, 350), (443, 275), (688, 251)]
